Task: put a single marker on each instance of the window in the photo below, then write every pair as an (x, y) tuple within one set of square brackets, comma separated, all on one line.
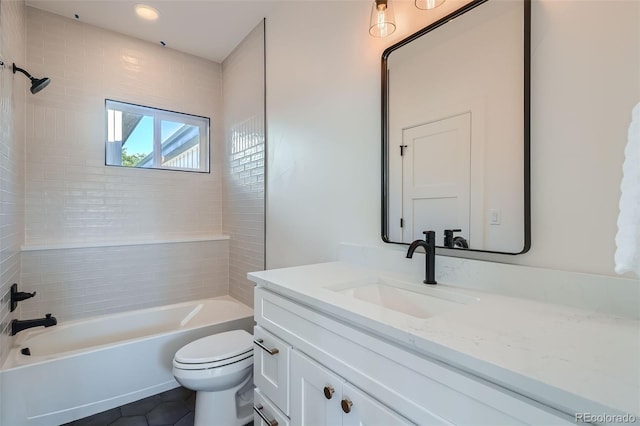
[(144, 137)]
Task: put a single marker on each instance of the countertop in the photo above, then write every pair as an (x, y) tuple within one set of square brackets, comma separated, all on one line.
[(574, 360)]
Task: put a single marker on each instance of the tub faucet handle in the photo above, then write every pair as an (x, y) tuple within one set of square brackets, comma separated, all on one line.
[(18, 296), (23, 295)]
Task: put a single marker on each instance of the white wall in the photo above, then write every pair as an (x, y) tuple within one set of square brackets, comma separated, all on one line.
[(12, 106), (243, 189), (323, 103)]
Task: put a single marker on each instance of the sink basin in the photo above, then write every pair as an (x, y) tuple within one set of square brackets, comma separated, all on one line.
[(406, 298)]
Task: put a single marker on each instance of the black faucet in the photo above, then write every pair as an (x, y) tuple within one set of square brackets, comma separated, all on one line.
[(18, 325), (429, 245), (452, 242)]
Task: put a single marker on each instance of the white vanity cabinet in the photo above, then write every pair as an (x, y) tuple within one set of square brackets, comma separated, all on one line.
[(320, 397), (379, 381)]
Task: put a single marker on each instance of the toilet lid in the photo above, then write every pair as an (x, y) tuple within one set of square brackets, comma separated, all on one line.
[(216, 347)]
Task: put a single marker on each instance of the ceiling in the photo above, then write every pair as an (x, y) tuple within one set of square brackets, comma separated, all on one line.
[(210, 29)]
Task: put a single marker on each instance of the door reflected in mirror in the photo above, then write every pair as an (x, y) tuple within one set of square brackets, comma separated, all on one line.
[(456, 131)]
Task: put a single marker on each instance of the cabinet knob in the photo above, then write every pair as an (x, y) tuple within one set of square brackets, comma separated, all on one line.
[(346, 405), (328, 392)]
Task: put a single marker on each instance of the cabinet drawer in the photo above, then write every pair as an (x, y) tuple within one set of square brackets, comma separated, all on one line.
[(271, 367), (265, 409)]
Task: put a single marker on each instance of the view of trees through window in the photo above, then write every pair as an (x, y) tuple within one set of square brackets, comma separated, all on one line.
[(145, 137)]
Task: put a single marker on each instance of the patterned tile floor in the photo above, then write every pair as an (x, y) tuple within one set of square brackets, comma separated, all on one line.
[(172, 408)]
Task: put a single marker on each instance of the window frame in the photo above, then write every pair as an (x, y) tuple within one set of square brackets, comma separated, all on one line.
[(158, 115)]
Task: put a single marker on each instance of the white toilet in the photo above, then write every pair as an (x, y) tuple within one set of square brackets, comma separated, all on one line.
[(220, 369)]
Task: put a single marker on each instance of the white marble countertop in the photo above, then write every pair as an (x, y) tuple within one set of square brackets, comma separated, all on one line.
[(574, 360)]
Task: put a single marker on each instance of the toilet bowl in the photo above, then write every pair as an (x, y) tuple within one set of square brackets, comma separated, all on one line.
[(220, 369)]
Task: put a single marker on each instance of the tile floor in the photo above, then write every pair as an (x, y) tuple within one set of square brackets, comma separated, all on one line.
[(171, 408)]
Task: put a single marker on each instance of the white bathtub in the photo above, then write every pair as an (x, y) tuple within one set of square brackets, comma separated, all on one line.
[(83, 367)]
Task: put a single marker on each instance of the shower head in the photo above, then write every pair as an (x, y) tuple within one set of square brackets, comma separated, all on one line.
[(37, 84)]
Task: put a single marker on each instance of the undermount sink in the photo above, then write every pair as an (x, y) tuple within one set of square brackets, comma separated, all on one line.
[(410, 299)]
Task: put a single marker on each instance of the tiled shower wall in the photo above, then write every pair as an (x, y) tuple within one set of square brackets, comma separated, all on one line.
[(81, 282), (243, 219), (12, 106), (71, 195), (74, 202)]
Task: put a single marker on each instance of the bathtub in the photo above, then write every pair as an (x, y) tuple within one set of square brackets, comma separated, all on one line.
[(79, 368)]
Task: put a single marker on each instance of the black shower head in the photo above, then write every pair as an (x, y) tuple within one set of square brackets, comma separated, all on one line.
[(37, 84)]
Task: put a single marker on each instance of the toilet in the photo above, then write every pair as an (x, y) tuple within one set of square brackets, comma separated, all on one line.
[(220, 369)]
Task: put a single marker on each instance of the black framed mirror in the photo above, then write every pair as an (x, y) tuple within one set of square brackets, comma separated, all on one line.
[(456, 131)]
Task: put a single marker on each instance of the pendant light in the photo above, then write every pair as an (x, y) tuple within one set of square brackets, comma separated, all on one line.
[(428, 4), (382, 21)]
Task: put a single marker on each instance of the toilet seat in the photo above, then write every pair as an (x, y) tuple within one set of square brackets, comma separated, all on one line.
[(218, 350)]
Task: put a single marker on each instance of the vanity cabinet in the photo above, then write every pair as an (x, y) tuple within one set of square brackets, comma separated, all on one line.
[(381, 382), (320, 397)]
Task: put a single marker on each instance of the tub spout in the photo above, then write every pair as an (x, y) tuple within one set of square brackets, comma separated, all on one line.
[(18, 325)]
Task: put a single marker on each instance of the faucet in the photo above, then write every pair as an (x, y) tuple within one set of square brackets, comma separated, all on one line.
[(18, 325), (429, 245), (452, 242)]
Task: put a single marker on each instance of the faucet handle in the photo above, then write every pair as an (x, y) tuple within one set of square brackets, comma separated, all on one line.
[(18, 296), (451, 231)]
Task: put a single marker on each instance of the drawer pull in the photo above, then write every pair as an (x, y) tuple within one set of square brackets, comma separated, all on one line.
[(260, 342), (258, 409), (328, 392), (346, 405)]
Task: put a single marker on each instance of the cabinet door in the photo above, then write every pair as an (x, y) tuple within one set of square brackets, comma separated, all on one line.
[(360, 410), (315, 393), (271, 367)]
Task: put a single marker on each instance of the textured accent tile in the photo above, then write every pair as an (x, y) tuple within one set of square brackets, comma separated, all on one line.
[(243, 213)]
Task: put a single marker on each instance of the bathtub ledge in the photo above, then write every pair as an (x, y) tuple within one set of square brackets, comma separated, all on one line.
[(94, 244)]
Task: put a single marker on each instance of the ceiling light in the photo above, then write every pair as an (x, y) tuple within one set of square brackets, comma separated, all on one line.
[(146, 12), (428, 4), (382, 22)]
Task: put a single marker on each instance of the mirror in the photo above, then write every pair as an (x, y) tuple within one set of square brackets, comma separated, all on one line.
[(455, 132)]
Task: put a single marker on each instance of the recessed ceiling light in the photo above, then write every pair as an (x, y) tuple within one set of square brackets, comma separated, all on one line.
[(146, 12)]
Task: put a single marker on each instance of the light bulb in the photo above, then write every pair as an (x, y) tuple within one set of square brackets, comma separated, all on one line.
[(146, 12), (428, 4), (382, 22)]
